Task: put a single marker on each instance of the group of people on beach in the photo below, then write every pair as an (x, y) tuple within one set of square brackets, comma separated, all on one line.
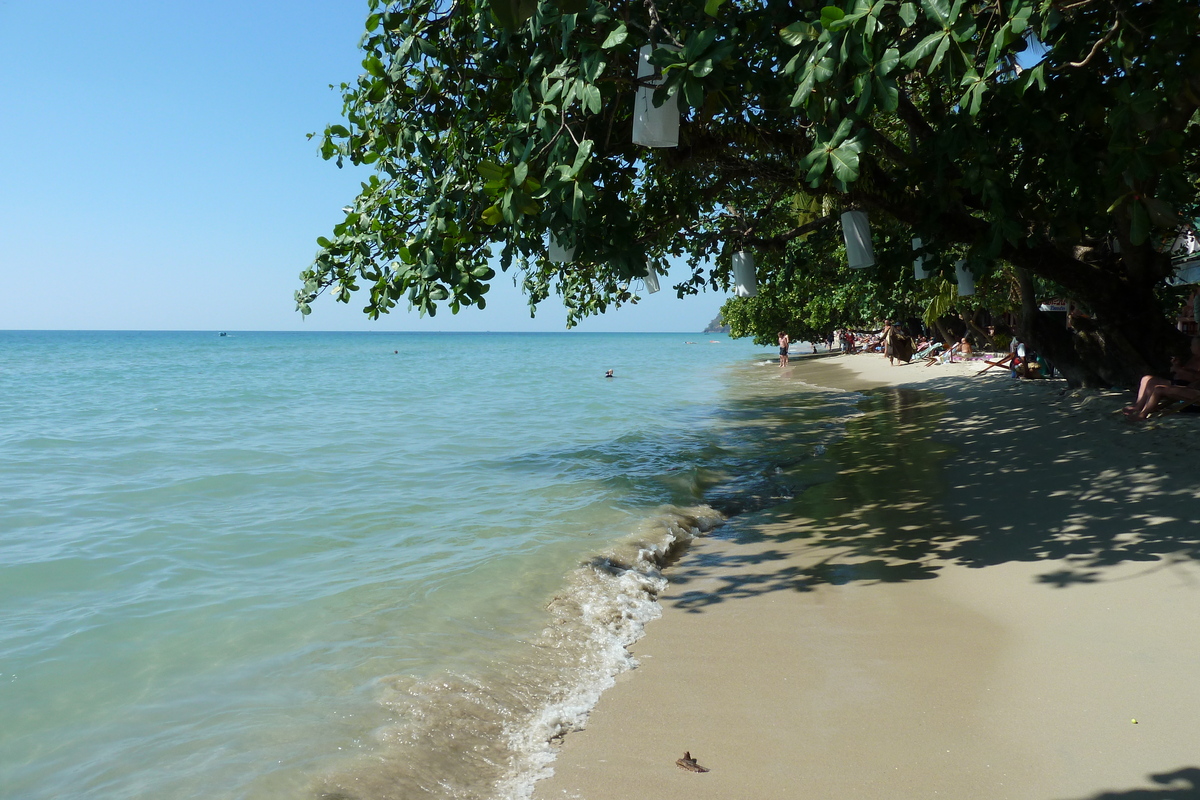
[(895, 342), (1181, 390)]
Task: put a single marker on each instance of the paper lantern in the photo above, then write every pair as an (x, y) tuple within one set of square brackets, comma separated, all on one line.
[(919, 271), (744, 279), (857, 232), (651, 278), (557, 253), (966, 279), (653, 126)]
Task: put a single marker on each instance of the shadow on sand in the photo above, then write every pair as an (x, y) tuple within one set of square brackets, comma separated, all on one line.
[(1172, 788), (1022, 486)]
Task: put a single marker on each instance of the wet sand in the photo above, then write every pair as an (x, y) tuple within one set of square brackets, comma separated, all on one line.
[(1002, 577)]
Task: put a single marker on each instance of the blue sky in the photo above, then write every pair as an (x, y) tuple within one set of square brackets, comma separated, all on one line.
[(154, 172)]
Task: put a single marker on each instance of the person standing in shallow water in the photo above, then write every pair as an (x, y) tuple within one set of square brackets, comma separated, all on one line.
[(784, 341)]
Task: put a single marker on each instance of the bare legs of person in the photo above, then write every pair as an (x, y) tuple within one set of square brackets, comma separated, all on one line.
[(1139, 408), (1161, 394)]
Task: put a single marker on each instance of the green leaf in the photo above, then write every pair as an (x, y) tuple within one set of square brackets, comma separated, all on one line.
[(702, 67), (804, 89), (522, 102), (891, 57), (1020, 20), (592, 102), (1035, 75), (923, 48), (581, 157), (323, 242), (887, 94), (491, 171), (374, 66), (908, 13), (712, 7), (830, 15), (816, 161), (1139, 224), (864, 94), (492, 215), (845, 163), (339, 131), (797, 33), (511, 14), (938, 54), (519, 173), (698, 43), (937, 11), (578, 208), (617, 36), (964, 29), (823, 69)]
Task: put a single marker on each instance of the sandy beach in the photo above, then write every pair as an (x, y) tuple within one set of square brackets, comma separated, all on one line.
[(996, 597)]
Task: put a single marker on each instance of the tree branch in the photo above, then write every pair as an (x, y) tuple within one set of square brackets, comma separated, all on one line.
[(777, 242), (1095, 48)]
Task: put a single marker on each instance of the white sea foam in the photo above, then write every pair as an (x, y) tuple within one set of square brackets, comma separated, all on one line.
[(611, 599), (492, 736)]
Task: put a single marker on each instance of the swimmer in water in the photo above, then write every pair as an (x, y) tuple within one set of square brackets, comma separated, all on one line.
[(609, 374)]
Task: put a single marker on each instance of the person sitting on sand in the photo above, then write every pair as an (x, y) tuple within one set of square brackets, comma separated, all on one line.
[(1184, 374), (964, 347), (1159, 395)]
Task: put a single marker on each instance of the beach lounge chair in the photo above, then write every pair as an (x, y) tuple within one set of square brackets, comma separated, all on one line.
[(929, 354), (1007, 361), (945, 357), (925, 351)]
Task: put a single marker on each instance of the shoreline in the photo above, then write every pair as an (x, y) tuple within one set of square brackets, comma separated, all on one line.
[(1001, 577)]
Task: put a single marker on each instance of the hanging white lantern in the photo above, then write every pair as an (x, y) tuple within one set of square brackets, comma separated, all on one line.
[(919, 271), (966, 279), (557, 253), (857, 232), (651, 279), (653, 126), (744, 279)]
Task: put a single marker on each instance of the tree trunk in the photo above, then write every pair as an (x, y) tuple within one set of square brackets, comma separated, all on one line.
[(1126, 338), (973, 327)]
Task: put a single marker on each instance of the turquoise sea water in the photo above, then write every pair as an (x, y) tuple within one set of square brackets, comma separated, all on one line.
[(275, 565)]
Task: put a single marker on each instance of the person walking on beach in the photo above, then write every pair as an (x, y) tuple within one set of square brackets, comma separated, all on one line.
[(784, 341), (886, 336)]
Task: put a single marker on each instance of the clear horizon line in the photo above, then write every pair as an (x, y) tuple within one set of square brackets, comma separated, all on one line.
[(284, 330)]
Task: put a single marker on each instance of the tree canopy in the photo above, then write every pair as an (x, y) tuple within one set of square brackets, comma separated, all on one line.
[(493, 123)]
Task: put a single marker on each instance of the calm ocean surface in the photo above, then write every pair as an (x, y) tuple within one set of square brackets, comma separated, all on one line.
[(281, 565)]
